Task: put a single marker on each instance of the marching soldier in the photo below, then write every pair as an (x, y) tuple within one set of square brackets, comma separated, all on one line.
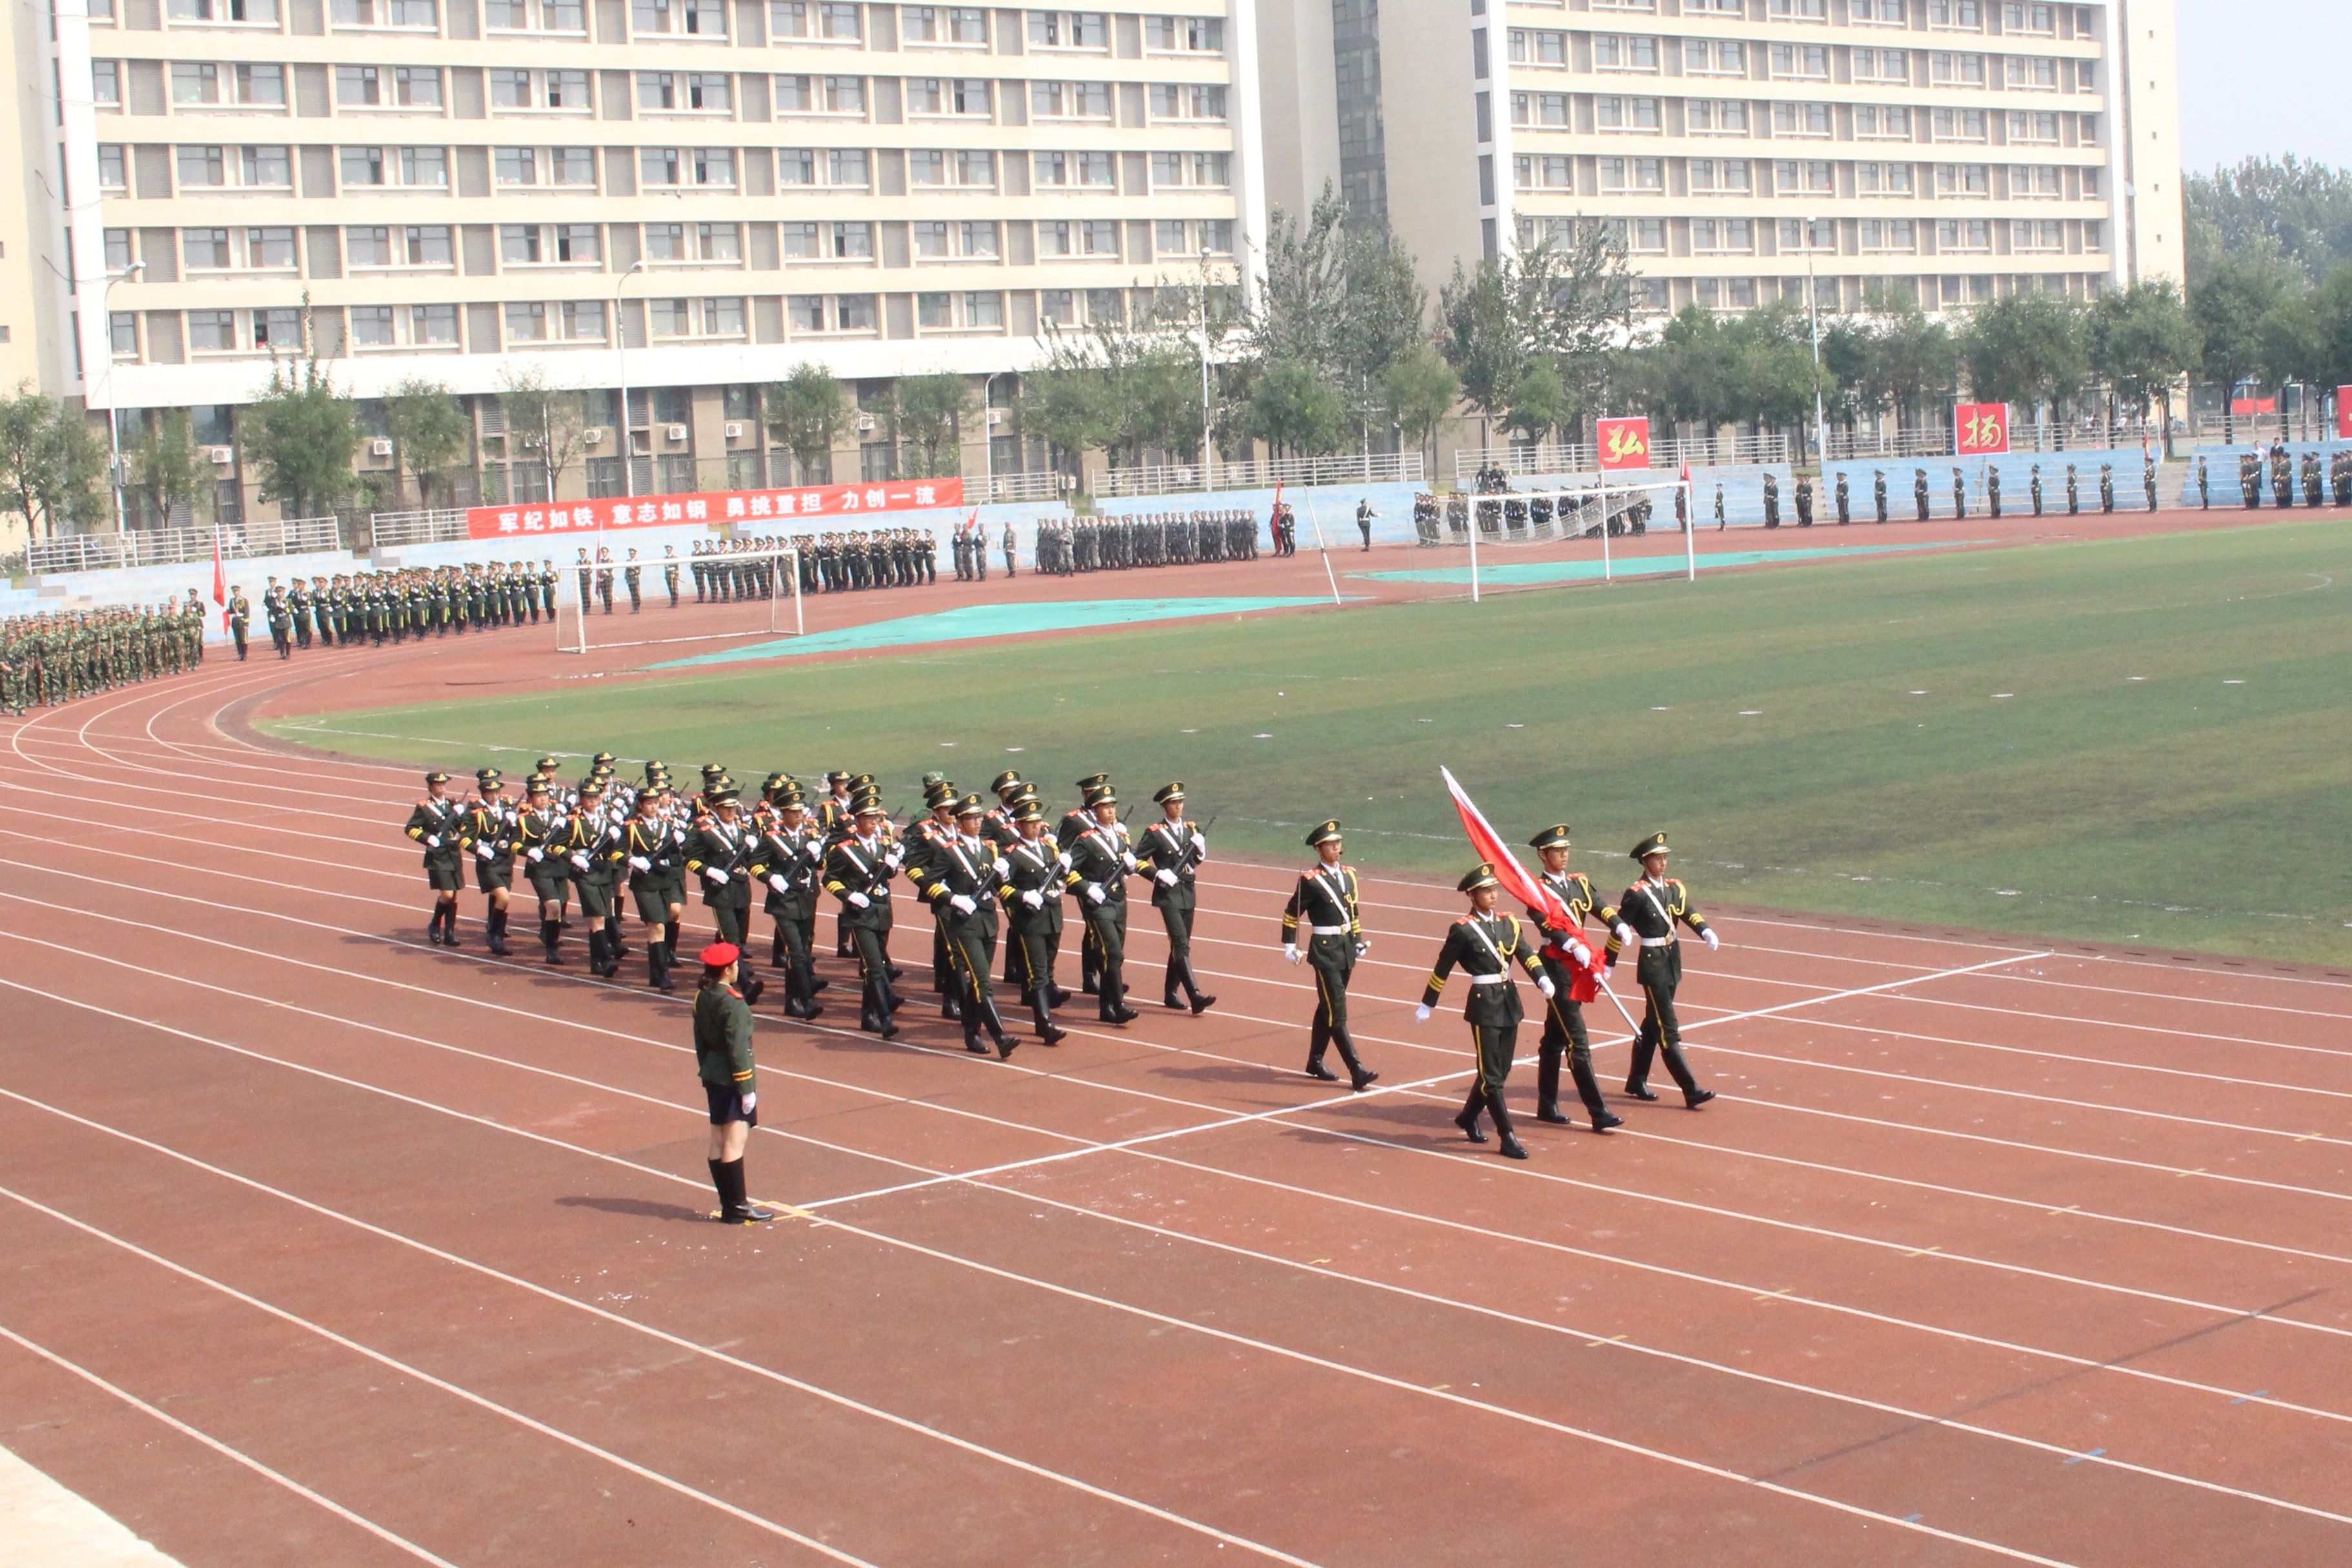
[(652, 847), (719, 850), (722, 1058), (1032, 891), (787, 858), (240, 618), (1101, 861), (1324, 903), (924, 837), (961, 878), (280, 619), (490, 833), (1077, 820), (857, 871), (1484, 944), (1171, 853), (541, 834), (1646, 921), (591, 847), (437, 825), (1572, 968)]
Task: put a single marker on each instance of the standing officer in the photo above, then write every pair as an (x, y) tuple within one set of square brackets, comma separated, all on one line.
[(2250, 483), (1919, 491), (1032, 894), (1804, 501), (1171, 853), (2073, 494), (857, 871), (540, 834), (490, 833), (1484, 943), (1325, 902), (2107, 487), (1568, 961), (2148, 480), (2204, 486), (1645, 920), (669, 573), (1011, 546), (719, 850), (1959, 493), (437, 825), (650, 844), (1772, 501), (1100, 860), (1364, 515), (1992, 490), (634, 576), (722, 1056), (1878, 491), (1845, 502), (2036, 487)]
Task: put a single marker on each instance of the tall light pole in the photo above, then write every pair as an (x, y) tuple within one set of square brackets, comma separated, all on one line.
[(1813, 311), (1208, 416), (114, 415), (988, 434), (620, 341)]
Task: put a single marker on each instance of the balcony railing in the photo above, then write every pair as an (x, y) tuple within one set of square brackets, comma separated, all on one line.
[(170, 547), (387, 529), (1579, 458), (1361, 468)]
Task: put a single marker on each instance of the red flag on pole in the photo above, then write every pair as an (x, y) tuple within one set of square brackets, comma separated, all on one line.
[(1518, 881), (220, 577)]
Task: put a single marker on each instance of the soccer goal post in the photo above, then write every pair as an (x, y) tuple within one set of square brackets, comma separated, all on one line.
[(1517, 530), (733, 595)]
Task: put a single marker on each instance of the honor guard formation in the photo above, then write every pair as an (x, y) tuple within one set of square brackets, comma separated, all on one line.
[(1001, 872), (1068, 545), (56, 656)]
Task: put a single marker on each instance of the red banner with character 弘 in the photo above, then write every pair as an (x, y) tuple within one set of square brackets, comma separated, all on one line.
[(1623, 443)]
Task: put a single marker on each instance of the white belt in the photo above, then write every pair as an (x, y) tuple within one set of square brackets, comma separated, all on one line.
[(1655, 941), (1488, 979), (1329, 931)]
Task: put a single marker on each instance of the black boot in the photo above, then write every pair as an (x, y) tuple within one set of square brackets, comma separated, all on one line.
[(803, 977), (751, 986), (658, 966), (550, 934), (1512, 1148), (1041, 1008), (1596, 1110), (1089, 971), (1319, 1040), (1201, 1004), (1467, 1118), (738, 1209), (1547, 1087), (718, 1184), (1360, 1076), (596, 951), (776, 957), (433, 927), (614, 945), (1170, 982), (499, 932), (449, 925)]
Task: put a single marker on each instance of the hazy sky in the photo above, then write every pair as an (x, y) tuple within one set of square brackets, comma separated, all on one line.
[(2261, 79)]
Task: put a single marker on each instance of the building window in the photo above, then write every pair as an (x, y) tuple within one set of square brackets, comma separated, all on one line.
[(1801, 234), (1967, 234), (1963, 180), (1801, 60), (1814, 177), (202, 166), (211, 331), (1068, 30), (582, 320), (1801, 119), (1717, 116), (1059, 307), (1882, 179), (1800, 10), (1192, 35), (217, 12), (269, 249), (1882, 65), (1098, 237), (1070, 100), (1714, 57), (2036, 234), (1882, 122), (2033, 125), (1612, 51), (1959, 125), (934, 311), (1732, 177), (1888, 12), (204, 248), (386, 13), (1882, 236), (112, 169), (1955, 14), (1555, 172), (1947, 69), (1611, 113)]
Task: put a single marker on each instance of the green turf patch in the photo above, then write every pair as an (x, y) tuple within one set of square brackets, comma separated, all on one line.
[(2141, 740)]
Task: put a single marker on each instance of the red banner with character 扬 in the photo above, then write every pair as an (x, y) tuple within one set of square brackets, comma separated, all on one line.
[(1979, 430), (826, 506), (1622, 443)]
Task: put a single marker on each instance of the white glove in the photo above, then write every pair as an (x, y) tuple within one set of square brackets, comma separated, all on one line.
[(717, 874), (1290, 952), (1202, 841), (639, 863), (750, 1103), (1576, 950), (1420, 1014), (1713, 941), (1362, 947), (1164, 877), (815, 851), (1002, 867), (1062, 859), (1033, 899), (776, 880), (1625, 935), (1544, 985), (1127, 859), (860, 902), (537, 855), (1095, 893), (433, 841), (580, 862), (962, 905), (486, 852), (893, 859)]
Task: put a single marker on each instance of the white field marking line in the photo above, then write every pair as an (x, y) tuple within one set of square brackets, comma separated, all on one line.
[(1226, 1336), (217, 1446), (2180, 1001), (2201, 1034), (617, 1320), (406, 1369)]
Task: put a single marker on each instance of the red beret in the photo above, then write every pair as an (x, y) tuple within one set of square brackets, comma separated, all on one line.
[(719, 954)]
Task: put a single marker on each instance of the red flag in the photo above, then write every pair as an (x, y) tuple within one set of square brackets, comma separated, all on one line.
[(220, 579), (1521, 884)]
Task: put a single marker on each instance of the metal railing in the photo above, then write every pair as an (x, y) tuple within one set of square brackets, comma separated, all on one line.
[(172, 547), (1578, 457), (435, 526), (1045, 486), (1361, 468)]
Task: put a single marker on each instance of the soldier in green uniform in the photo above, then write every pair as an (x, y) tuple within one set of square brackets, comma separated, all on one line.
[(962, 879), (1646, 916), (2147, 482), (2204, 486), (723, 1059), (1804, 501), (590, 848), (1878, 491), (1959, 493), (1483, 944), (1919, 491), (1034, 880), (437, 825), (653, 847), (240, 618), (1844, 504), (2310, 480), (718, 851), (1993, 490), (2282, 475), (2073, 494), (1568, 960), (2106, 487), (1772, 501), (857, 871), (1324, 902), (1171, 852), (2249, 480), (669, 577), (1101, 861), (540, 835), (492, 829), (2036, 487), (786, 857)]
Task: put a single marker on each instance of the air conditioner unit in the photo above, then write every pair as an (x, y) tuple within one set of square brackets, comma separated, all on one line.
[(224, 454), (678, 432), (379, 448), (866, 422), (996, 416), (734, 430), (591, 439)]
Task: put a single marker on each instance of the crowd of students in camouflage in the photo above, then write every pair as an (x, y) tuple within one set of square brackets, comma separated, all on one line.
[(1072, 544), (57, 656)]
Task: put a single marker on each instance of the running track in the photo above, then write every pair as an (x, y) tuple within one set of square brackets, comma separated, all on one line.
[(323, 1246)]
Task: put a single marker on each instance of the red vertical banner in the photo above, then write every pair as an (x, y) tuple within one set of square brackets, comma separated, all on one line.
[(1623, 443), (1979, 430), (2344, 413)]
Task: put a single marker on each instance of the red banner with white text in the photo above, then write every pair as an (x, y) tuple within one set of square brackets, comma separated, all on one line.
[(826, 506), (1979, 430), (1623, 443)]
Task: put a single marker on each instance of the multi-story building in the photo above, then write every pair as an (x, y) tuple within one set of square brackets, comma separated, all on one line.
[(686, 198), (1942, 151)]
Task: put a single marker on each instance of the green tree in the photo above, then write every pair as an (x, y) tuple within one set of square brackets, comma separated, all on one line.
[(810, 411), (1481, 339), (2285, 209), (1297, 410), (2333, 304), (2141, 342), (2026, 350), (428, 429), (1539, 405), (300, 435), (1569, 301), (2228, 308), (1913, 360), (1422, 390), (1123, 390), (925, 412), (52, 464), (165, 467), (549, 424)]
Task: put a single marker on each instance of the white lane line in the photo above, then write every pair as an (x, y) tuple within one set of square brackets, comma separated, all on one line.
[(166, 1418), (528, 1423)]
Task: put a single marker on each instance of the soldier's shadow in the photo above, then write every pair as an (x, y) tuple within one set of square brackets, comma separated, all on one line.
[(640, 1208)]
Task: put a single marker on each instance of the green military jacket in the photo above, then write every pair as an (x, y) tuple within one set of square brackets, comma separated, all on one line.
[(1485, 949), (722, 1039)]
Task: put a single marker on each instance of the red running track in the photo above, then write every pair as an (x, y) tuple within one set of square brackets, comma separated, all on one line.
[(327, 1245)]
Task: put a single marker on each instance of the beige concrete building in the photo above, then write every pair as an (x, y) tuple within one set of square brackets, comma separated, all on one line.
[(684, 197), (1942, 149)]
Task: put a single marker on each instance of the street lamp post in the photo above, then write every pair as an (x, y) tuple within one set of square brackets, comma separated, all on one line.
[(1813, 311), (621, 343), (114, 415), (1208, 417), (988, 435)]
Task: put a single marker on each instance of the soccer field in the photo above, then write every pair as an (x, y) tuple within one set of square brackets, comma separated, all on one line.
[(2139, 739)]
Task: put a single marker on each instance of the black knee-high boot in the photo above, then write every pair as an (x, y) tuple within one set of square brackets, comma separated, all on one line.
[(1511, 1146), (1360, 1076), (1200, 1003), (499, 932), (658, 966), (1319, 1040), (613, 943), (776, 949), (718, 1181), (1041, 1010), (449, 925), (596, 951), (550, 934), (1467, 1118)]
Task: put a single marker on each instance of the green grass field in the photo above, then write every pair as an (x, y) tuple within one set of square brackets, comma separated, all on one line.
[(2146, 740)]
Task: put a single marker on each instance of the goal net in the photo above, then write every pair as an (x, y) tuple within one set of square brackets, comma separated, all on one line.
[(735, 595), (1545, 537)]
